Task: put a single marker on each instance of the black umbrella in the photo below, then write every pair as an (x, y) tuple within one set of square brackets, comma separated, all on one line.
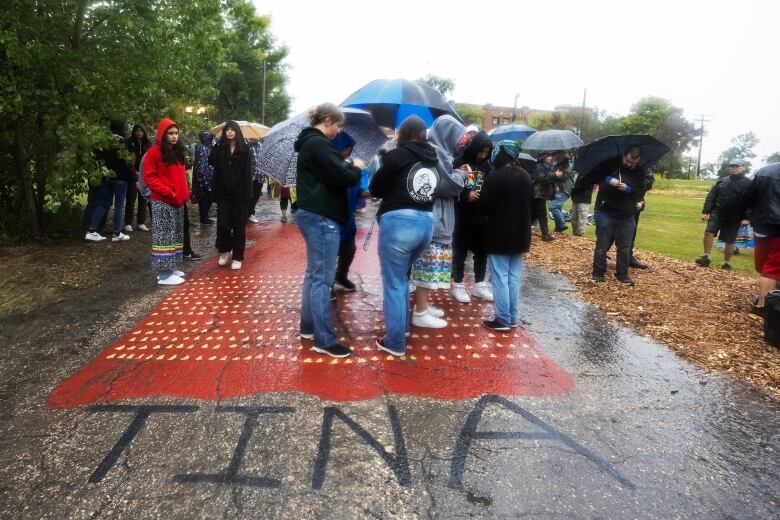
[(593, 154)]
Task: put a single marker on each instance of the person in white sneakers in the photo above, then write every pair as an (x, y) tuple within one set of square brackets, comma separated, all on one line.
[(469, 233)]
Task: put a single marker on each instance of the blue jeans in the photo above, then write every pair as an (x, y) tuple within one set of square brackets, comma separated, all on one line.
[(556, 209), (612, 228), (505, 272), (322, 246), (109, 189), (404, 235)]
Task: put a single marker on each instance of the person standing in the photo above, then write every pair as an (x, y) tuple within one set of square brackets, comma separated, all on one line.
[(762, 199), (232, 163), (470, 225), (113, 185), (648, 181), (506, 200), (405, 182), (563, 181), (164, 174), (138, 145), (344, 144), (723, 212), (543, 191), (257, 179), (581, 198), (203, 181), (621, 188), (323, 179)]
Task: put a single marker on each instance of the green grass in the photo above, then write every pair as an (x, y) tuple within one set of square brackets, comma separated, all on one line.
[(671, 224)]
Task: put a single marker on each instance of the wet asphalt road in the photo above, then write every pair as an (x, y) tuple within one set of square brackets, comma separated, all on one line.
[(643, 434)]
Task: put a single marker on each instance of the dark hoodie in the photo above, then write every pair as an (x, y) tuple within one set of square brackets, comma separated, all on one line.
[(466, 212), (323, 178), (232, 171), (407, 178), (138, 149)]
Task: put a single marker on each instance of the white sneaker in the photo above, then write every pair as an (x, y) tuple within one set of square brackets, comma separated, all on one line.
[(128, 228), (142, 227), (121, 237), (459, 293), (236, 265), (428, 321), (171, 280), (253, 219), (223, 258), (94, 236), (180, 274), (483, 290), (435, 311)]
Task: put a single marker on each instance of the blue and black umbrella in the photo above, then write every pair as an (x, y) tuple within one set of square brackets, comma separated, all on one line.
[(391, 101), (513, 132), (612, 146)]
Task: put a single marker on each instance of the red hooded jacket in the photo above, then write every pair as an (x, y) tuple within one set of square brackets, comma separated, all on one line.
[(168, 182)]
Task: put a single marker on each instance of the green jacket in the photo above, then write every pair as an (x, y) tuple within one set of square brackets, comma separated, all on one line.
[(323, 177)]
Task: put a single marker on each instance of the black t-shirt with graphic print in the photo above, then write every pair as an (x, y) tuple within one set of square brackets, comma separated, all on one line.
[(407, 179)]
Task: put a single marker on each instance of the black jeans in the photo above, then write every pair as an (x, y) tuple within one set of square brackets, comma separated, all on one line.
[(612, 228), (132, 195), (464, 238), (257, 190), (540, 212), (204, 204), (347, 249), (633, 239), (231, 226), (187, 243)]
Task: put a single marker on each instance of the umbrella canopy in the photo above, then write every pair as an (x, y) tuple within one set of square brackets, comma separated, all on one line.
[(391, 101), (613, 146), (513, 132), (249, 129), (278, 158), (550, 140)]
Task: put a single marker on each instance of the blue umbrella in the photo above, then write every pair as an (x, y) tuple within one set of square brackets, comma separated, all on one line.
[(391, 101), (279, 160), (512, 132)]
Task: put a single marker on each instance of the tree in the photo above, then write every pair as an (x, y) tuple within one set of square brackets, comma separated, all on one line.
[(68, 67), (659, 118), (742, 148), (772, 158), (471, 114), (443, 85)]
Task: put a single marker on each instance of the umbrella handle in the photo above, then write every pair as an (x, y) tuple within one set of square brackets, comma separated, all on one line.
[(368, 236)]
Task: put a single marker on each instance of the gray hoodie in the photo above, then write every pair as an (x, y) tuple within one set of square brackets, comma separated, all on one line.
[(445, 134)]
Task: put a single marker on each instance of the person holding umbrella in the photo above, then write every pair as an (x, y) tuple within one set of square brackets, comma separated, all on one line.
[(543, 191), (232, 162), (621, 189), (322, 180)]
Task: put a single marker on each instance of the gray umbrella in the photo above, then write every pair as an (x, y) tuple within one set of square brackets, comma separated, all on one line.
[(279, 160), (551, 140)]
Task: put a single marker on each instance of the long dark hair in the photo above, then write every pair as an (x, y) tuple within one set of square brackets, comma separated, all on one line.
[(172, 154), (412, 129), (225, 145)]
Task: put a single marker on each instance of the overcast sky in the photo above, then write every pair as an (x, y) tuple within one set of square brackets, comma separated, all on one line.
[(716, 58)]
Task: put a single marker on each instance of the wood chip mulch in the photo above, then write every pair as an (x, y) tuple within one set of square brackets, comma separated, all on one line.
[(700, 313)]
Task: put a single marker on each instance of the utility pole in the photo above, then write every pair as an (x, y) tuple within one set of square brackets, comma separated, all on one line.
[(582, 114), (263, 112), (514, 109), (701, 140)]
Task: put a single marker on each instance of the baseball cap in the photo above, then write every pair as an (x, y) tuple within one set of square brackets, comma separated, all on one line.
[(736, 162)]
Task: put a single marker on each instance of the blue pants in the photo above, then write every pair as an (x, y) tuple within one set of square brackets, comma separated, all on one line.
[(404, 235), (556, 207), (505, 272), (612, 228), (322, 246), (109, 189)]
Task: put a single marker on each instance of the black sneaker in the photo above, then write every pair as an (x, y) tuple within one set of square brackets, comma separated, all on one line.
[(193, 256), (380, 344), (494, 324), (345, 284), (547, 238), (561, 229), (703, 261), (757, 312), (636, 264), (597, 278), (333, 296), (209, 222), (338, 350), (624, 280), (736, 250), (726, 266)]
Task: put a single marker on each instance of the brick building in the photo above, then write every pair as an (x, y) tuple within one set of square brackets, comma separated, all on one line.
[(496, 116)]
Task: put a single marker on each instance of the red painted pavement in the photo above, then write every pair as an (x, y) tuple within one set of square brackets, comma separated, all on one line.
[(232, 333)]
